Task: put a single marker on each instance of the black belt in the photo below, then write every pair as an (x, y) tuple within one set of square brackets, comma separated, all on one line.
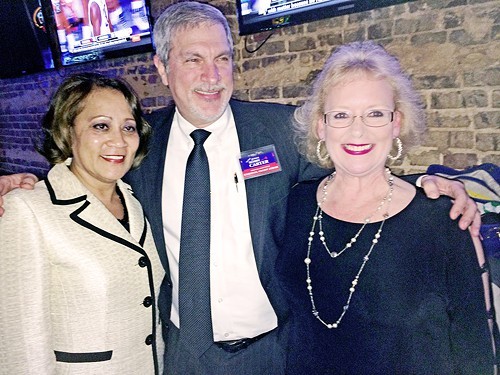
[(233, 346)]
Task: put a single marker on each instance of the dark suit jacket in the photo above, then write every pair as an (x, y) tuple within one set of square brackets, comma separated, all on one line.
[(257, 124)]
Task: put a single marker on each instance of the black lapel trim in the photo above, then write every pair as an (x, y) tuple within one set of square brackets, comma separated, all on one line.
[(153, 318), (144, 230), (54, 199), (74, 216), (106, 356)]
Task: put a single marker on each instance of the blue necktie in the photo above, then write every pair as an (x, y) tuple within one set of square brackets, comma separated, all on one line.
[(194, 259)]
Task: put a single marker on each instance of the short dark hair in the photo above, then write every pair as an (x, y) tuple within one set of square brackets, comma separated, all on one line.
[(68, 102)]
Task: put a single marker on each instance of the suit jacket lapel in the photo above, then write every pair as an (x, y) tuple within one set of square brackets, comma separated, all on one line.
[(137, 220), (253, 134), (147, 180), (86, 210)]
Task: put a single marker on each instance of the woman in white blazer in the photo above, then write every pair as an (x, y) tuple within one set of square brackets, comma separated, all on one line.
[(79, 271)]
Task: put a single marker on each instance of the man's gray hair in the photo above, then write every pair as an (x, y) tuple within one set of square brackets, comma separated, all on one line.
[(181, 16)]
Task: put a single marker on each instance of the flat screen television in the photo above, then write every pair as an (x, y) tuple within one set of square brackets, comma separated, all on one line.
[(89, 30), (260, 15), (24, 44)]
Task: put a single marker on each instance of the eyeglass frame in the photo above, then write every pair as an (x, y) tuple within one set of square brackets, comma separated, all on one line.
[(361, 116)]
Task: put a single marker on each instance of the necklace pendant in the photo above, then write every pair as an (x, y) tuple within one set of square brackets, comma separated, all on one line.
[(334, 254)]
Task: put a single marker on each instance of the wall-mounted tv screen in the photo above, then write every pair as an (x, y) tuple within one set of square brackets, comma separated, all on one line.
[(261, 15), (24, 44), (88, 30)]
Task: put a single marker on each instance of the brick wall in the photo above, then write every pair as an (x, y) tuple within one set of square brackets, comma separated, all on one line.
[(450, 47)]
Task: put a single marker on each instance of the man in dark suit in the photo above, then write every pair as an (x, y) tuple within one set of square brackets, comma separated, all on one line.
[(247, 312), (194, 59)]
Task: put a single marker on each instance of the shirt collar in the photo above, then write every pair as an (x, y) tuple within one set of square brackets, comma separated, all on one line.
[(217, 128)]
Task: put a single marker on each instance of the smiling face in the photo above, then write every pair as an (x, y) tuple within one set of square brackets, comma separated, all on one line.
[(104, 139), (359, 149), (199, 73)]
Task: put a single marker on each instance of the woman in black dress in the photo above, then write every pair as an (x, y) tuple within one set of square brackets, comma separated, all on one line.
[(379, 279)]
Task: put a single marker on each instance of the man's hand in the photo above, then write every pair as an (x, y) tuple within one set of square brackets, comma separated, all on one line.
[(434, 186), (13, 181)]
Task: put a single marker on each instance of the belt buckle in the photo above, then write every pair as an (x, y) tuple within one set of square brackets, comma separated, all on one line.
[(237, 345), (234, 346)]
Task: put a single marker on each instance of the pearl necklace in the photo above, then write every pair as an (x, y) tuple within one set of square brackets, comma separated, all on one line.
[(317, 218)]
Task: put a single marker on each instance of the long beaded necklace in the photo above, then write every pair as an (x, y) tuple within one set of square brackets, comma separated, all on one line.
[(317, 218)]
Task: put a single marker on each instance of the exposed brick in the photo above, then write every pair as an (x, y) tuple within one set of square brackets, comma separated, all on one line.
[(354, 34), (311, 76), (458, 99), (380, 30), (381, 13), (361, 17), (292, 31), (241, 94), (465, 38), (495, 32), (484, 120), (426, 38), (301, 44), (442, 100), (148, 102), (330, 39), (434, 4), (452, 20), (414, 25), (264, 93), (487, 77), (495, 99), (424, 158), (478, 1), (488, 142), (476, 98), (312, 58), (449, 47), (271, 48), (251, 64), (438, 139), (461, 139), (492, 158), (162, 101), (275, 60), (295, 91), (460, 160), (435, 81), (328, 23)]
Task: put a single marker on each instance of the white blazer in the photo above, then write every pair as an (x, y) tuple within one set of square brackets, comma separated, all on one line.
[(78, 292)]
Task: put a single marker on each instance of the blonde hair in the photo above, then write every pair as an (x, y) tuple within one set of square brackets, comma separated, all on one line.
[(348, 62)]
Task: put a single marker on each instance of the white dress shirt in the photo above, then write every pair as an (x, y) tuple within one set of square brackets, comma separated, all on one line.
[(240, 306)]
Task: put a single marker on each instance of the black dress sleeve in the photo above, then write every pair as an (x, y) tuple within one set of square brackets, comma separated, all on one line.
[(470, 338)]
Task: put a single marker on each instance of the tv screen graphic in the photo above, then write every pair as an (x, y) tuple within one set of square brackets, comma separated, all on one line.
[(24, 43), (88, 30), (260, 15)]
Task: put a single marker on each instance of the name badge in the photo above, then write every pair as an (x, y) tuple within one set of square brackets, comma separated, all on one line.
[(259, 162)]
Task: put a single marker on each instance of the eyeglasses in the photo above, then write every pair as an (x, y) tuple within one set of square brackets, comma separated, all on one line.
[(373, 117)]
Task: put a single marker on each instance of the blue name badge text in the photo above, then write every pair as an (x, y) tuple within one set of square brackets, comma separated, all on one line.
[(259, 162)]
